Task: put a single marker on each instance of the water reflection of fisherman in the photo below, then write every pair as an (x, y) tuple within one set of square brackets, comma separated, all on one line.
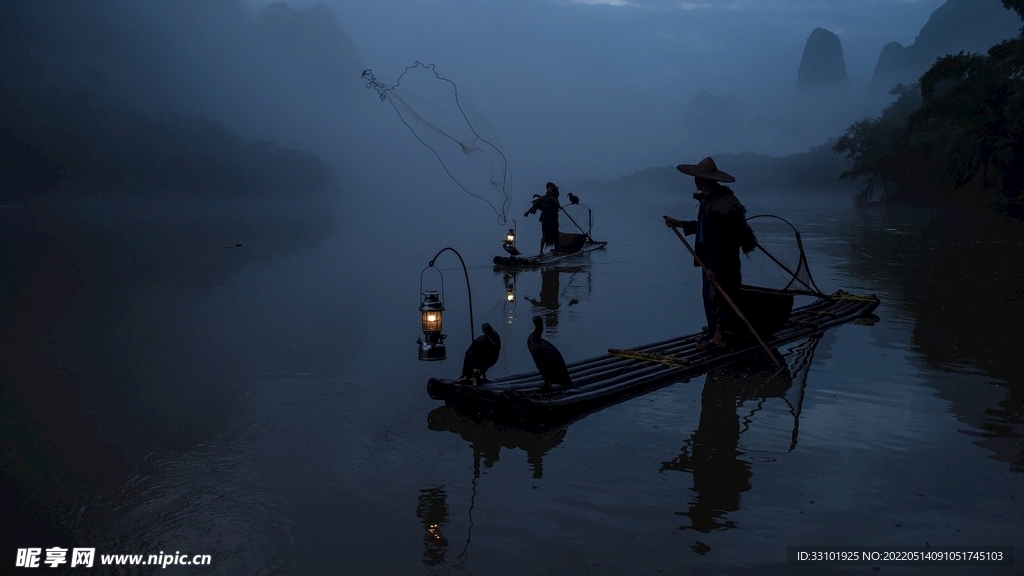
[(548, 206), (549, 293), (721, 231), (712, 453)]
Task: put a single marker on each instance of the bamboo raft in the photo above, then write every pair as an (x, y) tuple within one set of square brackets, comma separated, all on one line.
[(520, 262), (623, 374)]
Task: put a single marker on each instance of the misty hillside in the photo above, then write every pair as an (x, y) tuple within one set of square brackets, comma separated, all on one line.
[(822, 103), (155, 94), (823, 106), (969, 25), (824, 100), (817, 169), (956, 137), (75, 140)]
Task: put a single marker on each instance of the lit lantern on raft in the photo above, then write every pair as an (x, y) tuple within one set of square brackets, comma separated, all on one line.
[(432, 305), (510, 243), (432, 343)]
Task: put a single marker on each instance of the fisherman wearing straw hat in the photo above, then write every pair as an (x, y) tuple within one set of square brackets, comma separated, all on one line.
[(721, 232)]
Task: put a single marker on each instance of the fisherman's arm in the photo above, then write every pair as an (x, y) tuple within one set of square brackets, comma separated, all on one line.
[(535, 206), (689, 226)]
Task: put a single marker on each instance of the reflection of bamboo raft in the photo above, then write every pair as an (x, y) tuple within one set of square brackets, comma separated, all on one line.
[(605, 380)]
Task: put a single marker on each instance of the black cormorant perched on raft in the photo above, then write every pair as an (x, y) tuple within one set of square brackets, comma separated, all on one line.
[(482, 353), (548, 359)]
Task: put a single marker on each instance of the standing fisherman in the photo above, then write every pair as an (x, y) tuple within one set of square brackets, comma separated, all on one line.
[(722, 231), (549, 207)]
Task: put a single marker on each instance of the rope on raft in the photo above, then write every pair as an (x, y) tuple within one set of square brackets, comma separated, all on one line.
[(667, 360), (840, 295)]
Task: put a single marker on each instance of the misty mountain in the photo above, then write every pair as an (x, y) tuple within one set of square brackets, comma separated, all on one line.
[(822, 64), (127, 91), (822, 105), (714, 121), (306, 72), (824, 101), (969, 25), (305, 47)]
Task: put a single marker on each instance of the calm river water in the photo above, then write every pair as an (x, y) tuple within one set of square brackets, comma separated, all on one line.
[(165, 390)]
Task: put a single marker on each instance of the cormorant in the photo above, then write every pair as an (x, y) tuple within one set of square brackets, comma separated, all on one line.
[(510, 247), (574, 198), (548, 359), (482, 353)]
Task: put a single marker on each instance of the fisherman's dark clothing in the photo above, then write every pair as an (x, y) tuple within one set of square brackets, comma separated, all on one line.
[(548, 206), (721, 231)]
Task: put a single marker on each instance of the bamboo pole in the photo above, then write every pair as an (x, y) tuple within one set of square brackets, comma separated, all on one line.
[(569, 216), (735, 308)]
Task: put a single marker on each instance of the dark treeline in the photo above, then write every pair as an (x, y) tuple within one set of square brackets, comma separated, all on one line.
[(956, 136)]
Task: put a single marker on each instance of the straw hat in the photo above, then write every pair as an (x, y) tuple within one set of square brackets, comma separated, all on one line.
[(705, 169)]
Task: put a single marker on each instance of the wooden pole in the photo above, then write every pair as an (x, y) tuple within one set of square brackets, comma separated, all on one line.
[(735, 308), (585, 233)]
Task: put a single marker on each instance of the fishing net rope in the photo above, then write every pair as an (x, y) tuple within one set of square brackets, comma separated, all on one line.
[(462, 140), (778, 261), (577, 218)]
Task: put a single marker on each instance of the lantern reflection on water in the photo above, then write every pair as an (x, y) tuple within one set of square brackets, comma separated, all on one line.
[(432, 511)]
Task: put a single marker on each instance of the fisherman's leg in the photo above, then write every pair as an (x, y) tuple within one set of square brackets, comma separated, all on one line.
[(707, 293), (726, 318), (720, 322), (716, 328)]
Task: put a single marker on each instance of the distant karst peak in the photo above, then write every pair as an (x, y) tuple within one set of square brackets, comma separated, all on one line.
[(822, 64)]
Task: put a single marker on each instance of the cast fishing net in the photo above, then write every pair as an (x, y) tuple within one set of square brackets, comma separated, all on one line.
[(778, 261), (463, 142)]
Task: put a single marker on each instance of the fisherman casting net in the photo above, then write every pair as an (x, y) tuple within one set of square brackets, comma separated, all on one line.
[(463, 142), (778, 261)]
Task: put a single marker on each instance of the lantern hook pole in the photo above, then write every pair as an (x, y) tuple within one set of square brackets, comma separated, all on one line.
[(472, 332)]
